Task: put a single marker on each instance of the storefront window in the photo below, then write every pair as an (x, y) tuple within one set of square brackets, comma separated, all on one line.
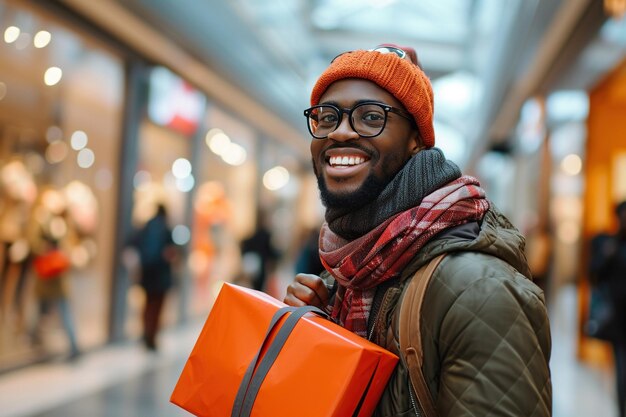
[(224, 204), (61, 97), (164, 177)]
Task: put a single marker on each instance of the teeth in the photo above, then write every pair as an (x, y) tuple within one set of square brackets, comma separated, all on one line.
[(346, 160)]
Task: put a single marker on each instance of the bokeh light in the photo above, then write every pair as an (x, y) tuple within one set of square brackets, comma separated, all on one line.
[(56, 152), (42, 39), (11, 34), (181, 234), (181, 168), (85, 158), (276, 178), (52, 76), (572, 164), (78, 140)]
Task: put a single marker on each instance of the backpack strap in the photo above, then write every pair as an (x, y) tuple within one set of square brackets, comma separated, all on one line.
[(410, 333)]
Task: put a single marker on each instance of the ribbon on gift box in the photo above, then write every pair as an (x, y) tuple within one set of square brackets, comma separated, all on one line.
[(252, 380)]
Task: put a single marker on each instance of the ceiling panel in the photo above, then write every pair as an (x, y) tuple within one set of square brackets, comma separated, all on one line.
[(275, 50)]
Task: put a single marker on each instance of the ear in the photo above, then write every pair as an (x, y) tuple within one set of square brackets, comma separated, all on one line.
[(415, 142)]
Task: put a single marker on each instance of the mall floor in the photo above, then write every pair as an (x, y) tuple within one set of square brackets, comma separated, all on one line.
[(127, 381)]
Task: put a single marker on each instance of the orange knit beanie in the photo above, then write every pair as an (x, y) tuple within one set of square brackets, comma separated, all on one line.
[(404, 79)]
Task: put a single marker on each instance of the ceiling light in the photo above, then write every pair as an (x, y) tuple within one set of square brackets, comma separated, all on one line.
[(571, 164), (181, 168), (42, 39), (85, 158), (78, 140), (217, 141), (52, 76), (234, 154), (567, 105), (11, 34), (276, 178)]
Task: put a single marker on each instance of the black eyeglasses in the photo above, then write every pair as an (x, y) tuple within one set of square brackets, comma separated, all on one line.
[(368, 119)]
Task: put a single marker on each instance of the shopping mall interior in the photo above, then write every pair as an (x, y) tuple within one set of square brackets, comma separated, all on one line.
[(112, 108)]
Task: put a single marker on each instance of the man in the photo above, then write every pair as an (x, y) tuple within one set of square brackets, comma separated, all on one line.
[(393, 203), (156, 254), (259, 252), (607, 270)]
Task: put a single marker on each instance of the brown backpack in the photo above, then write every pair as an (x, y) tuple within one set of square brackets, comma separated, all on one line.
[(411, 341)]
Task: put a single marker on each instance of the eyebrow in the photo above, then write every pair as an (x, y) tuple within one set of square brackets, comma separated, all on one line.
[(365, 100)]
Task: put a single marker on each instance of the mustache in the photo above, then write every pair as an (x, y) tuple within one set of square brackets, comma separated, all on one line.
[(354, 145)]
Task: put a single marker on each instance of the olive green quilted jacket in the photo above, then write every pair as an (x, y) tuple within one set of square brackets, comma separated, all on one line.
[(485, 330)]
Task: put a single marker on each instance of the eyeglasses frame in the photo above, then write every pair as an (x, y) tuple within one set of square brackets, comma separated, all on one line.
[(348, 111)]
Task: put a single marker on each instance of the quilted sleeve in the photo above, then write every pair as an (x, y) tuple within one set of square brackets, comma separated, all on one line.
[(494, 348)]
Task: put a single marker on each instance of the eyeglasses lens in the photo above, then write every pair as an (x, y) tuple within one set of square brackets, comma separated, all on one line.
[(368, 119), (391, 50), (323, 120)]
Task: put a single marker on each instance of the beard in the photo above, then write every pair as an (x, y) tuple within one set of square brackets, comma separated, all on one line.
[(371, 187), (368, 191)]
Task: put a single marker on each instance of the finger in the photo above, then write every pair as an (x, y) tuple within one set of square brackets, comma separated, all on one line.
[(309, 289), (300, 294), (292, 300), (315, 284)]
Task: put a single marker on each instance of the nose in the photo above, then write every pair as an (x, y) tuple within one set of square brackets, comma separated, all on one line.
[(344, 131)]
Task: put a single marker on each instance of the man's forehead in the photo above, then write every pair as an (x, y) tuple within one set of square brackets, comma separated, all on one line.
[(351, 91)]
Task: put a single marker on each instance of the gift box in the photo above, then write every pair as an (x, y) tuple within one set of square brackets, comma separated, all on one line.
[(321, 370)]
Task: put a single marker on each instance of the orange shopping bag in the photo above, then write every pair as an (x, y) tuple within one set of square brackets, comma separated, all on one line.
[(51, 264), (256, 357)]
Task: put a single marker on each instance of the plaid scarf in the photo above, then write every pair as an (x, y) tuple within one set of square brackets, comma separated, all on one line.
[(360, 265)]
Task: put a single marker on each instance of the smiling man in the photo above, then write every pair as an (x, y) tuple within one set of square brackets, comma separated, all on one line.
[(393, 204)]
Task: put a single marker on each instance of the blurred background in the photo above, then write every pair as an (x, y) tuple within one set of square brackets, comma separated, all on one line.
[(109, 108)]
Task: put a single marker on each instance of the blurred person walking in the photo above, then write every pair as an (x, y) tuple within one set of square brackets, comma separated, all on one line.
[(394, 204), (156, 254), (259, 255), (308, 259), (607, 270), (51, 265)]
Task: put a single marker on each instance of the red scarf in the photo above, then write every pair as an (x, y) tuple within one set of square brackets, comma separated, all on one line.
[(360, 265)]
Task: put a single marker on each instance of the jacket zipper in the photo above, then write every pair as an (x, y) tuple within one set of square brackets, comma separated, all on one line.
[(381, 309), (369, 337), (383, 304), (413, 403)]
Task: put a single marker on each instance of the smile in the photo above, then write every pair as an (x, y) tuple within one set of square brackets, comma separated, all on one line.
[(338, 161)]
